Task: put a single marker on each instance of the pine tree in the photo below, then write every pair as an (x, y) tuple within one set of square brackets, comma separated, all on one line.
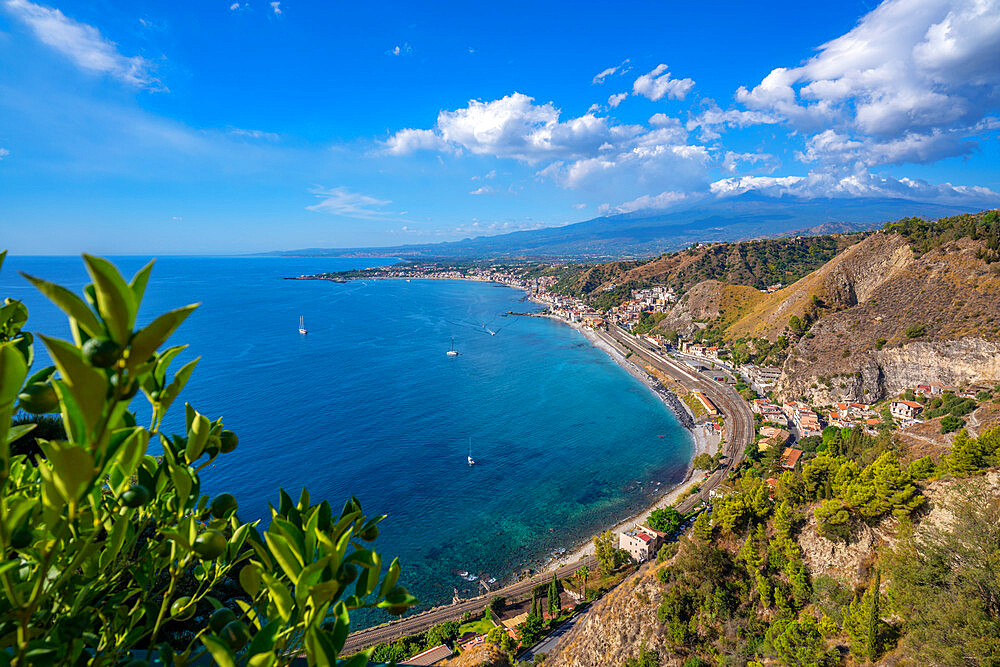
[(702, 527), (873, 645)]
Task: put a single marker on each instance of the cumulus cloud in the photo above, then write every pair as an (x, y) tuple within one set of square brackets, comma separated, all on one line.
[(617, 69), (910, 83), (83, 44), (4, 153), (657, 83), (400, 50), (733, 162), (276, 8), (615, 100), (341, 201), (644, 203), (483, 190), (858, 184), (573, 152), (712, 119)]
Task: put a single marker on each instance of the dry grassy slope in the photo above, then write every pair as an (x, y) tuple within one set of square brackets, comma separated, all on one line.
[(949, 291)]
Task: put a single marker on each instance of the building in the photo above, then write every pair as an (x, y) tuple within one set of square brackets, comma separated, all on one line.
[(641, 542), (790, 457), (772, 437), (431, 656), (708, 404), (905, 409)]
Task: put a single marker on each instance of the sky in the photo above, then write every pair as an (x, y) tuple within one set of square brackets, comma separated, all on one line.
[(227, 127)]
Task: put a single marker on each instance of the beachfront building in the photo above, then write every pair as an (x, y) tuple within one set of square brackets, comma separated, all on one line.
[(641, 542)]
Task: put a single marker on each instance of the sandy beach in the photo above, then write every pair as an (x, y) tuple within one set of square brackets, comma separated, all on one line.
[(706, 441)]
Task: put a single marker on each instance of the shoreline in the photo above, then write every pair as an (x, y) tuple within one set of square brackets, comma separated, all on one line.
[(704, 441)]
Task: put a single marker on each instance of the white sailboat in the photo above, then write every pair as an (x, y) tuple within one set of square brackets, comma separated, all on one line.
[(302, 325), (472, 461), (452, 352)]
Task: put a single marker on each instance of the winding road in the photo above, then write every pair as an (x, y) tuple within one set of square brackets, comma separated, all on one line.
[(739, 432)]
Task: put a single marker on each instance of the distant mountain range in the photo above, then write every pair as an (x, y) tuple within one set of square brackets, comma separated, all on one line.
[(649, 233)]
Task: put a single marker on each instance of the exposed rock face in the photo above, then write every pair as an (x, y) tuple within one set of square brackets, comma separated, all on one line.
[(484, 655), (616, 627), (700, 304), (875, 375)]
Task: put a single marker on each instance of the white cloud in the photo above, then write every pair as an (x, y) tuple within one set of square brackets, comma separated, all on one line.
[(253, 134), (576, 152), (409, 141), (713, 118), (733, 162), (645, 202), (858, 184), (657, 83), (484, 190), (615, 100), (400, 50), (4, 153), (276, 7), (176, 218), (910, 83), (83, 44), (619, 69), (579, 207), (233, 7), (341, 201)]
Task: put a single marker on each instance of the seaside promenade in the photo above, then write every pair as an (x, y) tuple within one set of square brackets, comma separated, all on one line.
[(739, 432)]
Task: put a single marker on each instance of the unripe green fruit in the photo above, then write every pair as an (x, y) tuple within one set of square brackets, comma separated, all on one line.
[(102, 352), (370, 535), (347, 574), (39, 398), (223, 504), (228, 441), (236, 634), (220, 619), (182, 609), (136, 496), (21, 539), (210, 545)]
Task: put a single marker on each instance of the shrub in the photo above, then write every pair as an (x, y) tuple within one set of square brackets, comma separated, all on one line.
[(916, 330), (110, 545), (951, 423)]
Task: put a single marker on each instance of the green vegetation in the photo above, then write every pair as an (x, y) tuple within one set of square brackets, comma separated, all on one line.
[(704, 461), (666, 520), (647, 322), (409, 646), (115, 553), (646, 658), (926, 235), (609, 556), (756, 601), (916, 330)]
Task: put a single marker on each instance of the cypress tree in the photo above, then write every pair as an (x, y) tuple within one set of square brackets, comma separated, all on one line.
[(874, 620), (554, 596)]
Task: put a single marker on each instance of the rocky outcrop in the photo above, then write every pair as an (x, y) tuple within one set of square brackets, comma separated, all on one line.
[(484, 655), (875, 375), (616, 627)]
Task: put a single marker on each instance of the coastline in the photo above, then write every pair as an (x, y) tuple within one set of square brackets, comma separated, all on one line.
[(705, 442)]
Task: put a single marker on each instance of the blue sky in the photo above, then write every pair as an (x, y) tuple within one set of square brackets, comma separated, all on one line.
[(216, 127)]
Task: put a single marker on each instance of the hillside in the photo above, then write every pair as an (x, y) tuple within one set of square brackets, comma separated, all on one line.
[(756, 264), (648, 233), (892, 563), (912, 303)]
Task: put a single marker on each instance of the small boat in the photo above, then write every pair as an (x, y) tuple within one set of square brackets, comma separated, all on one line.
[(302, 325), (452, 352), (472, 461)]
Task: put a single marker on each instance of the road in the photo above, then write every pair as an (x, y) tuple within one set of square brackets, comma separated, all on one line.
[(409, 625), (739, 433)]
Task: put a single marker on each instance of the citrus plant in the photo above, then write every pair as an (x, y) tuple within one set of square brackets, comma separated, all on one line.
[(106, 549)]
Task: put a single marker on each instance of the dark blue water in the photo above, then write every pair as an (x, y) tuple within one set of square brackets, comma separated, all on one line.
[(368, 404)]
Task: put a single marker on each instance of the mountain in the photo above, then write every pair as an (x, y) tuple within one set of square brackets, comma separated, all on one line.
[(649, 233)]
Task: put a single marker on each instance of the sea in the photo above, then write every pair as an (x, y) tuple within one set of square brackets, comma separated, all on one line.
[(368, 404)]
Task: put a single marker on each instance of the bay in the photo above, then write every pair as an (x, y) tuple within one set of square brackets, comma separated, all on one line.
[(368, 404)]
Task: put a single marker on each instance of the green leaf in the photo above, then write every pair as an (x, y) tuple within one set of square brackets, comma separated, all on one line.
[(115, 301), (391, 577), (70, 304), (182, 483), (88, 385), (139, 280), (280, 595), (169, 395), (13, 370), (147, 340), (197, 437), (263, 641), (219, 650), (283, 552), (18, 431), (69, 467), (321, 649), (341, 626)]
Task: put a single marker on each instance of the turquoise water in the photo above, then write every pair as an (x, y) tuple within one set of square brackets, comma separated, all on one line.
[(368, 403)]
